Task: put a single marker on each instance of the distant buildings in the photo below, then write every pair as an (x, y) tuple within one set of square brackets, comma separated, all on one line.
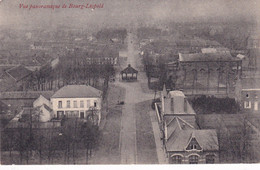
[(183, 141), (17, 100), (77, 101), (15, 78), (205, 73)]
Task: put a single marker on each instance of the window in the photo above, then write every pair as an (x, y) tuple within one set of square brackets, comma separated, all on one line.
[(95, 103), (193, 146), (88, 103), (75, 104), (247, 104), (68, 104), (60, 104), (81, 104), (177, 159), (210, 159), (193, 159), (72, 114), (247, 95), (256, 106)]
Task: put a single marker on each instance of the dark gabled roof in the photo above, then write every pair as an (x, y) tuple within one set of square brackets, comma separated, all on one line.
[(175, 125), (129, 70), (206, 57), (77, 91), (207, 139), (25, 94), (19, 72)]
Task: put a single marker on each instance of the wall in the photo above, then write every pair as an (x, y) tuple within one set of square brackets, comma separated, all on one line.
[(54, 102), (45, 115), (202, 156)]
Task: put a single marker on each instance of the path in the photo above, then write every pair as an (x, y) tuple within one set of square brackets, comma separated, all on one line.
[(134, 95)]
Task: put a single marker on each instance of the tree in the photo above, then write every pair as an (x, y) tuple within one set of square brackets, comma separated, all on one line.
[(90, 135)]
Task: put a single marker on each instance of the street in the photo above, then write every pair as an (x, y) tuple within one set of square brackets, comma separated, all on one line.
[(134, 95)]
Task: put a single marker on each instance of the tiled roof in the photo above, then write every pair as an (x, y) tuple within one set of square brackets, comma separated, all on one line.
[(77, 91), (129, 70), (175, 125), (207, 57), (25, 94), (207, 139), (18, 72)]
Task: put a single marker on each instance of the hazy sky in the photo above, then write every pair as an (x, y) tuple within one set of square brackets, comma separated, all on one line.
[(122, 12)]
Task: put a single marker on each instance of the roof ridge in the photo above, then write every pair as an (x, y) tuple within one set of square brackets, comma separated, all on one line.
[(179, 123)]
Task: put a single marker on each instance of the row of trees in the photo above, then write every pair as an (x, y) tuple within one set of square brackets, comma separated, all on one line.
[(234, 137), (210, 104), (54, 144), (71, 70)]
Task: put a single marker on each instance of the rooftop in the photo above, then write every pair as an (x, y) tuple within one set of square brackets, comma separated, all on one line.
[(77, 91), (129, 70), (25, 94), (206, 57), (207, 139), (176, 93), (19, 72)]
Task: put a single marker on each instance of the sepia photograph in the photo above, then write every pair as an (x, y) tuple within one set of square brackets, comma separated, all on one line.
[(129, 82)]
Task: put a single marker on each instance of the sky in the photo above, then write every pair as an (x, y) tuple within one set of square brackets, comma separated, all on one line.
[(125, 12)]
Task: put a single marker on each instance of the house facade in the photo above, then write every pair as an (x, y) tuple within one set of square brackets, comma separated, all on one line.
[(184, 142), (44, 108), (77, 101), (250, 101)]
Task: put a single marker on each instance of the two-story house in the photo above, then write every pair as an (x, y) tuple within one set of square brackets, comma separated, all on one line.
[(77, 101), (183, 141)]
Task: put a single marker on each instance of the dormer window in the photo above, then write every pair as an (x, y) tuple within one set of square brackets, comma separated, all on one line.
[(193, 147)]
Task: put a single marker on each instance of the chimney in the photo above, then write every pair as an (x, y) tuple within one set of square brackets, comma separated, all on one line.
[(178, 104)]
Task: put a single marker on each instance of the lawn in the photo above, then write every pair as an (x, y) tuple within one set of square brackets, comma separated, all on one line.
[(146, 148), (108, 149)]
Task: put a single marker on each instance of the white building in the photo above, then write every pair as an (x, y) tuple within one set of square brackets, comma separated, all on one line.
[(44, 107), (77, 101)]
